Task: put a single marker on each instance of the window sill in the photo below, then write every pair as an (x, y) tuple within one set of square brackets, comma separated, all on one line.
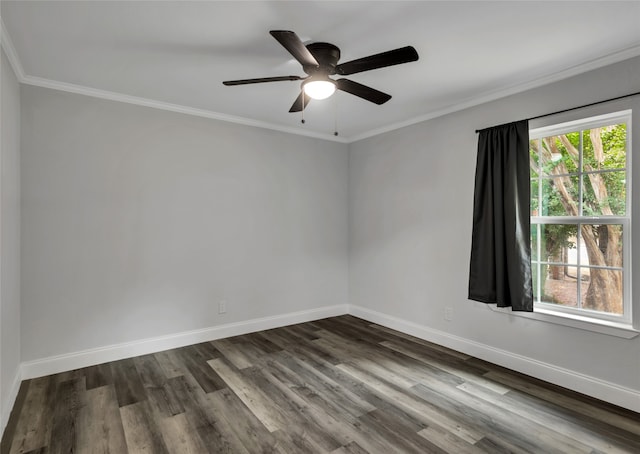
[(597, 326)]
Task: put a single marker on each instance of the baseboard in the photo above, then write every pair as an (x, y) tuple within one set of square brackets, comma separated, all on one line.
[(11, 399), (591, 386), (594, 387), (85, 358)]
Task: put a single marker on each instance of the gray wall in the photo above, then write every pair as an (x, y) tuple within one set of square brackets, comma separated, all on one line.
[(9, 237), (411, 202), (137, 222)]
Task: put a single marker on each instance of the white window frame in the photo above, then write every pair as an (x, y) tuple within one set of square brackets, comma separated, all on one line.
[(577, 314)]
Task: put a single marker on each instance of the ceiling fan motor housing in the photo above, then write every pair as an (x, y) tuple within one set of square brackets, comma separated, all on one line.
[(327, 56)]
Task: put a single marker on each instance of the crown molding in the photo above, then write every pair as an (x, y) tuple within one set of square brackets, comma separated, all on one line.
[(146, 102), (609, 59), (7, 45), (10, 51), (23, 78)]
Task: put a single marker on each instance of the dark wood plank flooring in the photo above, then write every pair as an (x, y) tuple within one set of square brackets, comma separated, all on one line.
[(339, 385)]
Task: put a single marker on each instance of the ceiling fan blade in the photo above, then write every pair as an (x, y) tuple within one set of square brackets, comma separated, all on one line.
[(294, 45), (261, 80), (389, 58), (362, 91), (297, 104)]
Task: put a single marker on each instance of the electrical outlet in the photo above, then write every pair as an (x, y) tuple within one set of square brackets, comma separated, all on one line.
[(448, 313), (222, 307)]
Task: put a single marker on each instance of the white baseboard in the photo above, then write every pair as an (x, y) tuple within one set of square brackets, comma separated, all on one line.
[(85, 358), (594, 387), (11, 400), (600, 389)]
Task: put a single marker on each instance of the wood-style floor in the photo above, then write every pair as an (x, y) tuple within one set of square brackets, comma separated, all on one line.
[(339, 385)]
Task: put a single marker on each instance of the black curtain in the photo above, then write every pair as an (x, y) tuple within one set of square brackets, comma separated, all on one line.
[(500, 270)]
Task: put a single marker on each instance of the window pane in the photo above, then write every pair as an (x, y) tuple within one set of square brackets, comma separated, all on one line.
[(604, 290), (556, 242), (533, 157), (535, 204), (535, 272), (604, 148), (534, 242), (560, 196), (558, 155), (560, 286), (601, 245), (604, 194), (579, 174)]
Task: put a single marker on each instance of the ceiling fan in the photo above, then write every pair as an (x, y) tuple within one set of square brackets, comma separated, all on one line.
[(320, 60)]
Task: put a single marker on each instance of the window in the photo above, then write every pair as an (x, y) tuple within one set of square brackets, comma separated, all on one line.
[(580, 218)]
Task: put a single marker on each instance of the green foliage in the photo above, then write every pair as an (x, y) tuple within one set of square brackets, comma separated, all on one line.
[(610, 170), (548, 199)]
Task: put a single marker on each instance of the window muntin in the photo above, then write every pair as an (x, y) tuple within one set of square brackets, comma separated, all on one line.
[(580, 217)]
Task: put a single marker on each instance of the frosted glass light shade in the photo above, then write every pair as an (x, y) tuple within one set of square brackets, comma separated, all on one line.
[(319, 89)]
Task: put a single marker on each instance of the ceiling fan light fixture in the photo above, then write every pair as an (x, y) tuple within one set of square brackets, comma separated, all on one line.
[(319, 89)]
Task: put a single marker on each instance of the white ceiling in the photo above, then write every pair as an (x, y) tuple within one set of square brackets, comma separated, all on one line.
[(175, 54)]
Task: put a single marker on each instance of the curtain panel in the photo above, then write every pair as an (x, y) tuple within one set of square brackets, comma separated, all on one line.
[(500, 270)]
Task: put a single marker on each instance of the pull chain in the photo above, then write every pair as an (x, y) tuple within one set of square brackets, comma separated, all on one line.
[(335, 115)]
